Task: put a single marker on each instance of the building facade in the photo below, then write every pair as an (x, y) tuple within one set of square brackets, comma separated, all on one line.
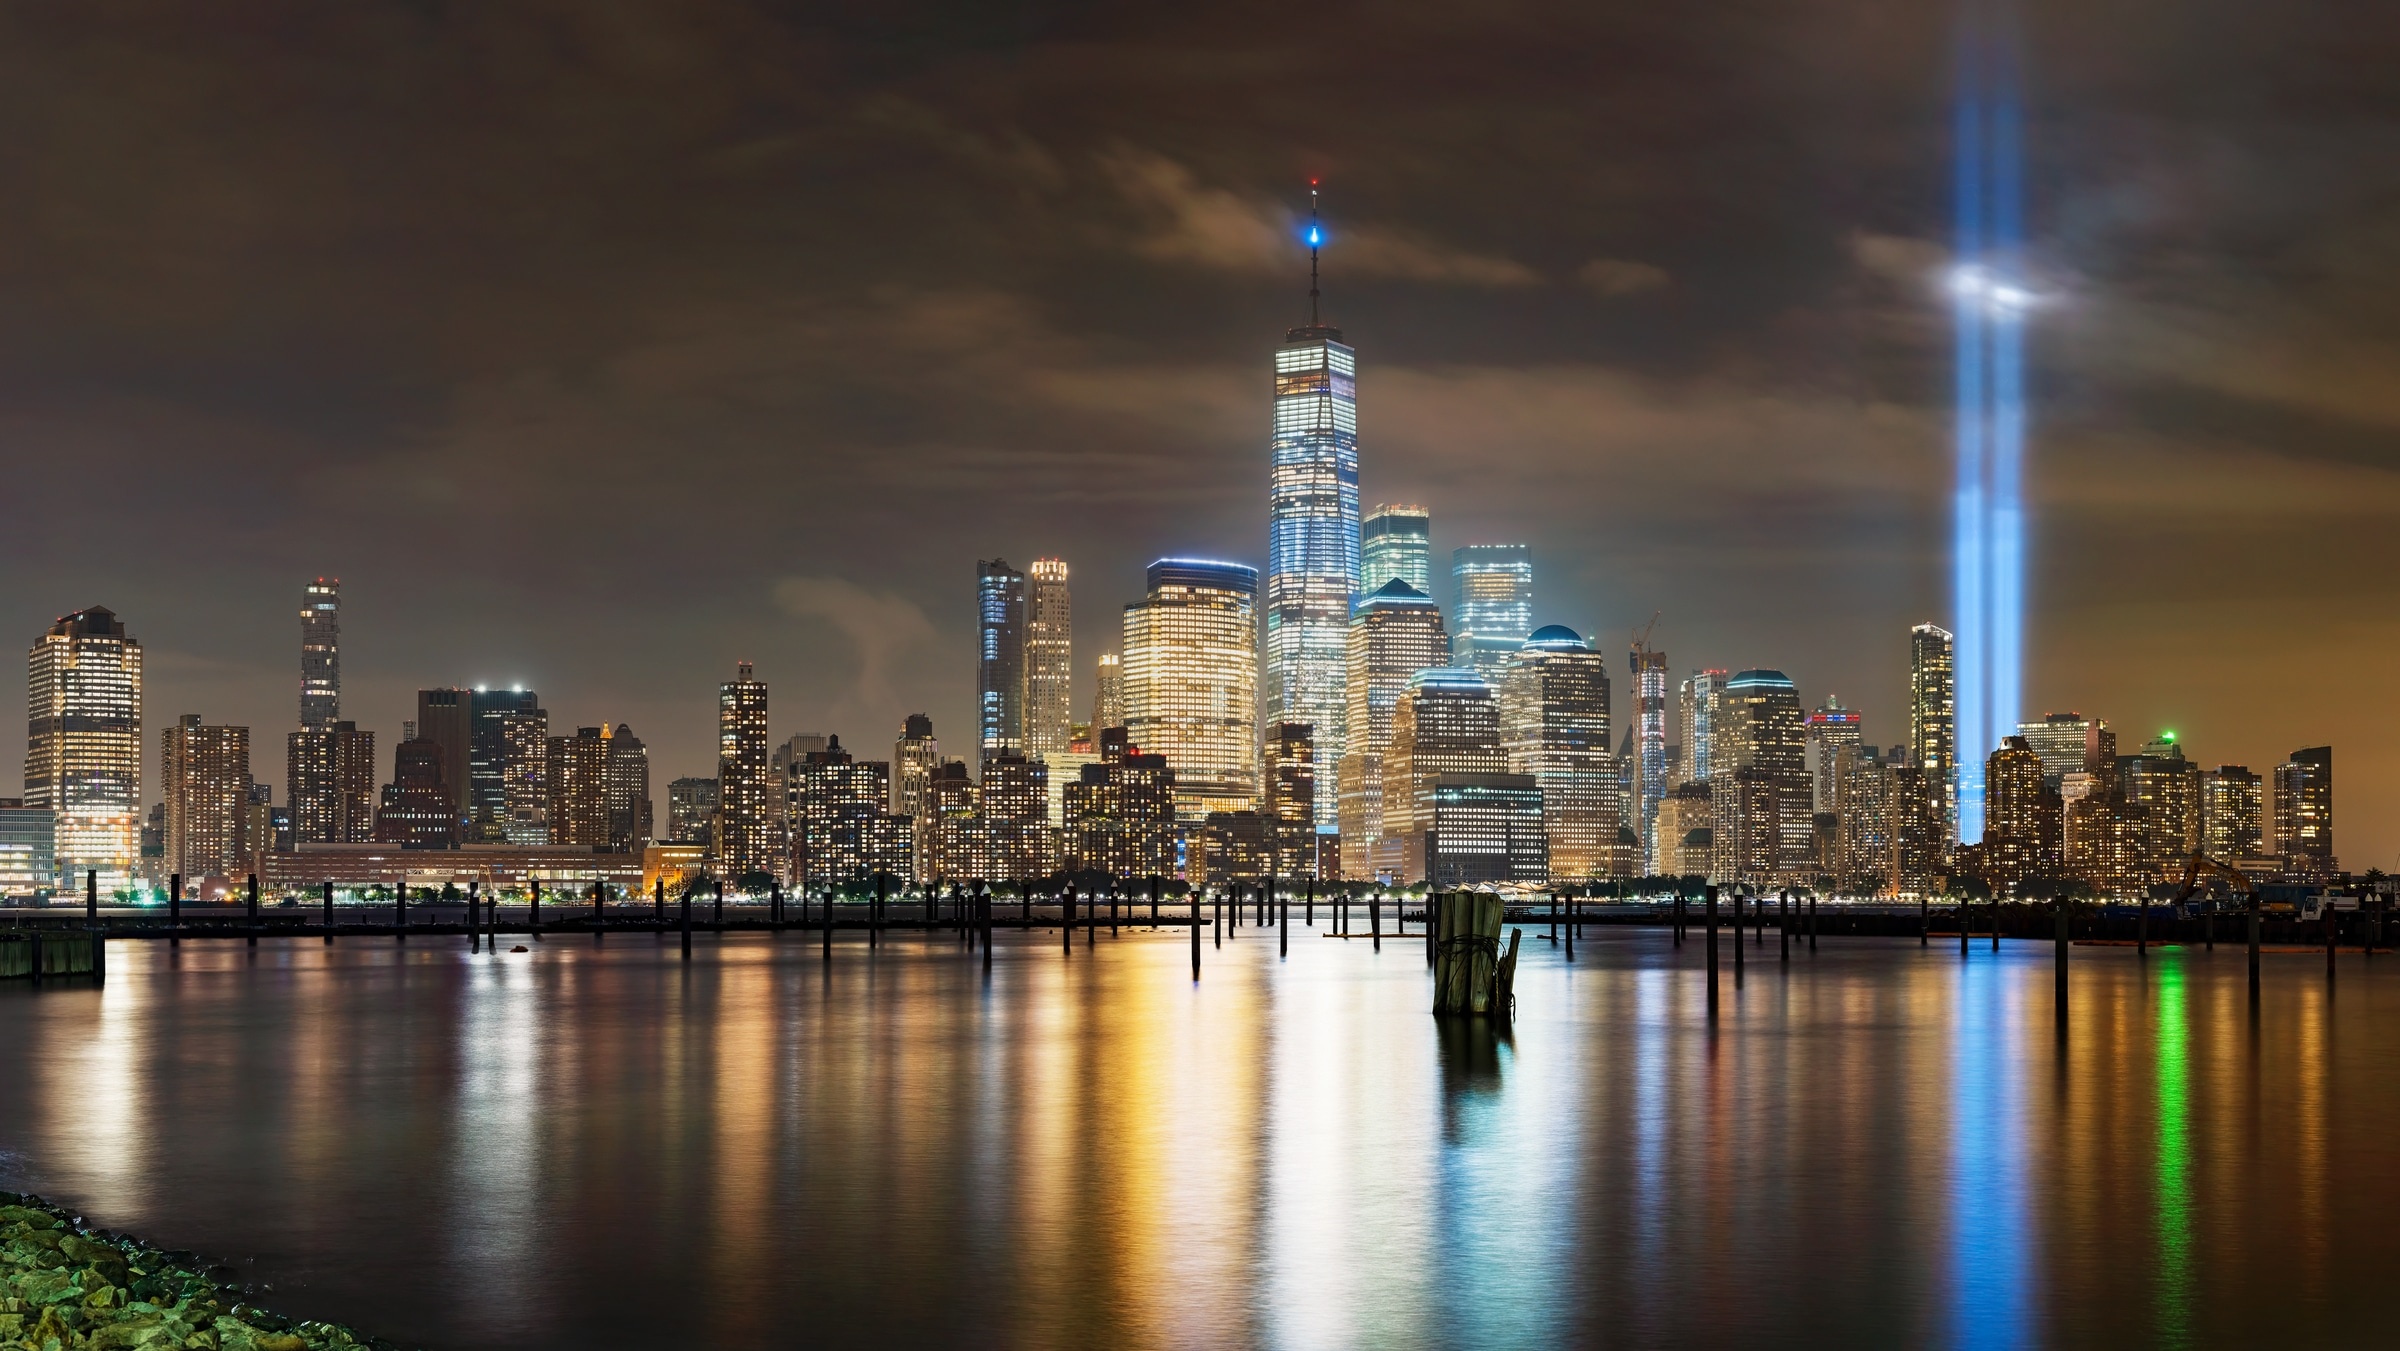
[(1290, 804), (1492, 605), (321, 653), (1396, 632), (2232, 814), (999, 659), (204, 774), (1647, 734), (1049, 659), (1191, 681), (508, 741), (1933, 716), (1554, 724), (1697, 700), (446, 717), (692, 810), (329, 780), (2304, 813), (842, 830), (1396, 543), (747, 833), (1121, 814), (419, 808), (578, 810), (1312, 536), (83, 745), (1830, 730)]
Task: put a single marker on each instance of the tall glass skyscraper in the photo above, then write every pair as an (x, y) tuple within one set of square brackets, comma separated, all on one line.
[(321, 653), (1493, 588), (1312, 532), (1191, 681), (1396, 541), (999, 660), (83, 745), (1049, 659)]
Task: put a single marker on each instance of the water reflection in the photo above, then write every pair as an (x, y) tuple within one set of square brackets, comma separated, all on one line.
[(595, 1145)]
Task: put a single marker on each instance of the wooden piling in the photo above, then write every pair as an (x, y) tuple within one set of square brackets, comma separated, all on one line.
[(1375, 918), (91, 895), (687, 919), (1924, 920), (2141, 927), (1283, 926), (1195, 935), (1995, 923), (2332, 930), (329, 913), (1812, 921), (1154, 900), (1218, 911), (1712, 952), (716, 908), (599, 914), (1676, 922), (658, 903), (883, 886), (1737, 937), (1308, 913), (253, 907), (1554, 917), (2254, 953), (1113, 894), (1066, 920), (826, 942), (175, 910), (474, 934), (1573, 919), (1962, 926), (533, 908)]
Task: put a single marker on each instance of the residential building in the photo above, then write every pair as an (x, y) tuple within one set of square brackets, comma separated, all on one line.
[(321, 653), (329, 780), (204, 774), (915, 755), (747, 836), (629, 820), (2232, 814), (419, 808), (2304, 813), (1765, 828), (1828, 731), (1108, 697), (1696, 719), (1234, 847), (2022, 822), (2164, 788), (1395, 633), (1396, 542), (508, 740), (1687, 840), (1049, 659), (1312, 539), (999, 659), (83, 745), (1647, 750), (1492, 587), (1191, 681), (841, 828), (578, 810), (1066, 766), (1291, 798), (1121, 813), (692, 810), (1933, 717), (1554, 726)]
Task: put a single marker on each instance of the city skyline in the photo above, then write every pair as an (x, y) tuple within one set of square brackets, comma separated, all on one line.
[(1596, 378)]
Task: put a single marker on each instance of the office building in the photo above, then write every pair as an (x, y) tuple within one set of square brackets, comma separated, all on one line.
[(1554, 726), (1764, 824), (1233, 847), (578, 810), (28, 861), (2232, 814), (783, 767), (1447, 724), (747, 834), (1492, 590), (2059, 739), (1647, 751), (1312, 534), (1396, 632), (999, 659), (915, 755), (1828, 731), (1919, 845), (508, 739), (692, 810), (419, 808), (204, 776), (946, 837), (1695, 723), (1066, 766), (629, 819), (2162, 787), (1191, 681), (1108, 696), (842, 830), (446, 717), (1290, 775), (1049, 659), (1121, 813), (1933, 718), (1396, 543), (83, 745), (264, 828), (321, 653), (329, 780), (996, 831), (1866, 830), (2022, 819), (2304, 813), (1687, 839)]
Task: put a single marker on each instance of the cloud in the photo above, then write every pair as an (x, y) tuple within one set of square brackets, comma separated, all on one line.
[(1621, 276), (1898, 258), (880, 626), (1190, 222)]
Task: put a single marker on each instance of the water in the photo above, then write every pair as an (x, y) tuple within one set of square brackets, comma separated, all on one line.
[(594, 1145)]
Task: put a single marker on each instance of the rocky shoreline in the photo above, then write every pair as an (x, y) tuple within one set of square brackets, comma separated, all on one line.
[(63, 1286)]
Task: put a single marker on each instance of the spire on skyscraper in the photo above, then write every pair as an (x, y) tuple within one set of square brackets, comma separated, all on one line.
[(1316, 236)]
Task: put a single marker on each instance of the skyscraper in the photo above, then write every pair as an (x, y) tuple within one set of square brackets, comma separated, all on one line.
[(1191, 681), (692, 810), (1492, 585), (2304, 812), (1395, 633), (1933, 719), (629, 820), (507, 739), (1554, 726), (1396, 541), (841, 828), (1108, 697), (1049, 659), (446, 717), (1763, 821), (1649, 734), (746, 789), (418, 809), (2021, 831), (329, 779), (2059, 739), (578, 813), (1291, 798), (999, 659), (204, 774), (83, 745), (1459, 814), (915, 755), (2232, 814), (1829, 730), (321, 653), (1696, 723), (1312, 533)]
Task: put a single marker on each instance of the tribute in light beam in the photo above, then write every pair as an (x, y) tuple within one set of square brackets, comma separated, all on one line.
[(1988, 298)]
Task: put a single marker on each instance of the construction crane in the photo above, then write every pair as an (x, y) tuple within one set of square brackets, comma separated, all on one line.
[(1641, 640)]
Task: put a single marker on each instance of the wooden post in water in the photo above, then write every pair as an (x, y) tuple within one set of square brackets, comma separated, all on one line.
[(1308, 913), (91, 895), (983, 912), (1195, 935), (2331, 929), (2141, 927), (2254, 952), (533, 908), (687, 919), (329, 912), (1812, 921), (1924, 920), (254, 910), (774, 904), (1712, 953), (1025, 905), (827, 941), (474, 934), (599, 915), (1737, 937), (883, 886), (1995, 921), (1676, 921), (2063, 908), (658, 903), (1375, 918), (175, 910), (1113, 893), (1783, 922), (1962, 926), (1574, 921), (1217, 932), (1154, 900), (1283, 926), (2208, 928), (1066, 921)]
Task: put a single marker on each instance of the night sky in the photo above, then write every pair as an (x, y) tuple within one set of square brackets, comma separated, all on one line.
[(597, 346)]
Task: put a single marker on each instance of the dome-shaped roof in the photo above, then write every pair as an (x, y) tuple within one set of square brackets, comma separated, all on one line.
[(1551, 633)]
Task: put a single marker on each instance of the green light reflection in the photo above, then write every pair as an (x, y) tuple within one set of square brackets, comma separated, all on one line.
[(2174, 1161)]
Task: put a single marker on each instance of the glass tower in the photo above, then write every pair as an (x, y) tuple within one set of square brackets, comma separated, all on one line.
[(1049, 659), (1312, 534), (83, 746), (1492, 586), (321, 653), (1191, 681), (1396, 541), (999, 660)]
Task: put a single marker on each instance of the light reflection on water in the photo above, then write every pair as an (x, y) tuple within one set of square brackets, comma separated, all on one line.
[(594, 1144)]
